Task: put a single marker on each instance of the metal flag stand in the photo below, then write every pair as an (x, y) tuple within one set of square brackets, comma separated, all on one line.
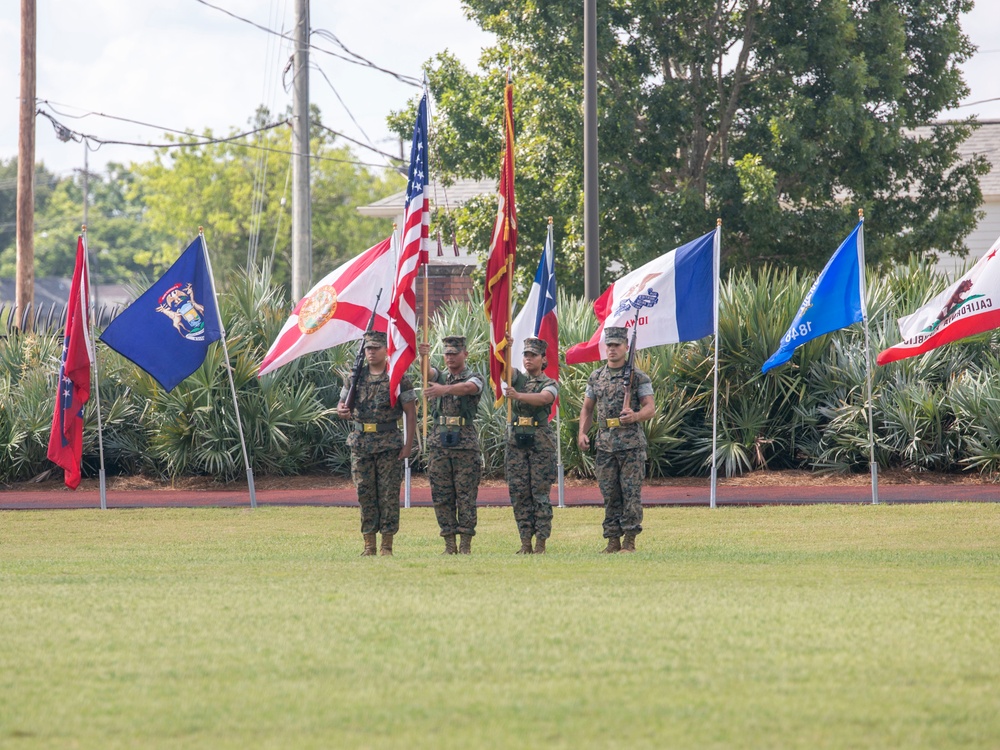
[(229, 369), (715, 369), (92, 350), (868, 356)]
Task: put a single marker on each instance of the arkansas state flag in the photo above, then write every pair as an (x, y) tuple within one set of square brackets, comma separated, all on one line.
[(167, 330), (338, 308), (66, 437), (969, 306), (538, 316), (675, 294)]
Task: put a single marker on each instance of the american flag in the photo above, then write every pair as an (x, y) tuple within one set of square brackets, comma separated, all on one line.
[(73, 391), (416, 220)]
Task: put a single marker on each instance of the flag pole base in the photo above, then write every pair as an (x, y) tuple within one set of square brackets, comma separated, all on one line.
[(253, 492), (104, 492), (875, 484), (562, 487), (406, 490)]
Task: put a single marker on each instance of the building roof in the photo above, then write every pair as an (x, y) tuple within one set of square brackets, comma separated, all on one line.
[(451, 196), (984, 141)]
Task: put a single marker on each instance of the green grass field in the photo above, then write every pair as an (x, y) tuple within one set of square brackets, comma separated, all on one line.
[(807, 627)]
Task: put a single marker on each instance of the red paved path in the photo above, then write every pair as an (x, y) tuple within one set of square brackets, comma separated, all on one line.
[(575, 496)]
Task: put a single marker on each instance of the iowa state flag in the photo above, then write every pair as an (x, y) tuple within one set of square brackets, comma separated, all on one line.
[(835, 300), (675, 296), (73, 391), (503, 253), (969, 306), (167, 330), (338, 308)]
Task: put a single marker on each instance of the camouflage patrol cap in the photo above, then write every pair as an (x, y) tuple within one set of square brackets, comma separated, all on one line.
[(615, 335), (453, 344), (535, 346), (375, 338)]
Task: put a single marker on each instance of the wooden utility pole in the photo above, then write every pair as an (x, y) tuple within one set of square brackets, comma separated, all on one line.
[(25, 278), (301, 200)]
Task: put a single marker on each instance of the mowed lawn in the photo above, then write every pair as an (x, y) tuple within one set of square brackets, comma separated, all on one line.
[(797, 627)]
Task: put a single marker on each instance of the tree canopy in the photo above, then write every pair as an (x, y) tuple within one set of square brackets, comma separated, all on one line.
[(782, 117)]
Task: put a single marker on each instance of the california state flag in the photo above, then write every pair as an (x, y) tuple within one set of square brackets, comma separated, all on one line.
[(969, 306), (338, 308)]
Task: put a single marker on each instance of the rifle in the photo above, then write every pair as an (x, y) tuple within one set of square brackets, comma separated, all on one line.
[(629, 370), (359, 360)]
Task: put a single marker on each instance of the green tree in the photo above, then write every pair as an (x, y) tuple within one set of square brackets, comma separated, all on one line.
[(782, 117), (118, 237), (241, 196), (45, 181)]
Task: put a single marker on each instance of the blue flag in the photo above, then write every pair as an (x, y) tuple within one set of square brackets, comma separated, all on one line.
[(168, 329), (834, 302)]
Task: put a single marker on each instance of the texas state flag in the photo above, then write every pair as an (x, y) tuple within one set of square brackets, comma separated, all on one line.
[(675, 296), (537, 317)]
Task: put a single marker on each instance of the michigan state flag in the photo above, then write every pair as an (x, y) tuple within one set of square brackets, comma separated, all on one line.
[(167, 330), (834, 302)]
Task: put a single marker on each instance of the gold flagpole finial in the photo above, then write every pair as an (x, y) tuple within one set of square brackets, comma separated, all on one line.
[(550, 220), (394, 226), (861, 213), (84, 229), (718, 222), (201, 230)]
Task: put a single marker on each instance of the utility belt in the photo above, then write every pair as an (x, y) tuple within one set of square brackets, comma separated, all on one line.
[(376, 426), (523, 430), (610, 424), (450, 430)]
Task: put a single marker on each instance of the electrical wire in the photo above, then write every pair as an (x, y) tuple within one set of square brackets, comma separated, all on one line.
[(321, 126), (355, 59), (203, 142)]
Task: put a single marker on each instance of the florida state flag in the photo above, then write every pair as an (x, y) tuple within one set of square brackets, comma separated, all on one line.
[(503, 251)]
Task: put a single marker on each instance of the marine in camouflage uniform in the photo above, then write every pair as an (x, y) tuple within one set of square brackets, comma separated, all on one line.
[(530, 465), (455, 464), (377, 446), (620, 461)]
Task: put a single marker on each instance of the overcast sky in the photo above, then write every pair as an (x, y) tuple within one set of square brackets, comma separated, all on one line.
[(182, 65)]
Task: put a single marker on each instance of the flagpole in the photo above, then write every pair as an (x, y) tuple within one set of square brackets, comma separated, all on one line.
[(406, 461), (560, 469), (715, 368), (92, 345), (229, 369), (869, 375)]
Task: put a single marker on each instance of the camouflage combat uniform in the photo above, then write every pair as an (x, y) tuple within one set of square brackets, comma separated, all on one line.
[(620, 463), (375, 465), (530, 471), (454, 471)]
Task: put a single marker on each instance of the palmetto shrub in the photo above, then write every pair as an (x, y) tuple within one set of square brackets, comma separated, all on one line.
[(936, 412)]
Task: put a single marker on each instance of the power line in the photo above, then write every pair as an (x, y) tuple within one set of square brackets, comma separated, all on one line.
[(74, 135), (356, 142), (355, 59)]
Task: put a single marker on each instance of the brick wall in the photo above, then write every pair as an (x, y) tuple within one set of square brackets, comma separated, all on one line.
[(444, 283)]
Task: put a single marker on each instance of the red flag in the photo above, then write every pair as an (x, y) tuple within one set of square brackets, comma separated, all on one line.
[(503, 251), (402, 343), (66, 437)]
